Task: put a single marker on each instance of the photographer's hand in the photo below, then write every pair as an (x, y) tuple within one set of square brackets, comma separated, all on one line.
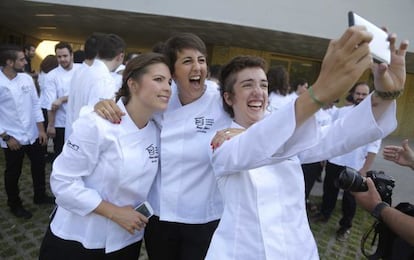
[(369, 199), (402, 155)]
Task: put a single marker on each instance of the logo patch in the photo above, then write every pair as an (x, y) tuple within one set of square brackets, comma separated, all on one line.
[(152, 153), (73, 146), (203, 124)]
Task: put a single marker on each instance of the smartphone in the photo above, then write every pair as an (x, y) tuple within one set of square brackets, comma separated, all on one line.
[(379, 46), (145, 209)]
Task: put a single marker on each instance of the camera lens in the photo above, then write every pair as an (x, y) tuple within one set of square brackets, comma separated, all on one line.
[(350, 180)]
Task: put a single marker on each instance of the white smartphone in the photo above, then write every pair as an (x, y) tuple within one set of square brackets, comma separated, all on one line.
[(145, 209), (379, 46)]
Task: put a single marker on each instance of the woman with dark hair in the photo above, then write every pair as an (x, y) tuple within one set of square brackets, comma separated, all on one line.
[(259, 171), (106, 170)]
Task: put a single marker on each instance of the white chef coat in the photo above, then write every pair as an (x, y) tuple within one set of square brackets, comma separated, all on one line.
[(262, 182), (276, 101), (57, 85), (102, 161), (88, 86), (186, 190), (19, 109), (41, 79), (356, 158)]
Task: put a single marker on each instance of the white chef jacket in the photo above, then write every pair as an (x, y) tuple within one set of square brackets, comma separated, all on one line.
[(356, 158), (57, 84), (276, 101), (88, 86), (41, 79), (186, 190), (102, 161), (262, 182), (19, 109)]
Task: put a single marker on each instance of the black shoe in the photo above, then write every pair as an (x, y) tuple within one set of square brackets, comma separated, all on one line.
[(20, 212), (45, 199), (342, 234)]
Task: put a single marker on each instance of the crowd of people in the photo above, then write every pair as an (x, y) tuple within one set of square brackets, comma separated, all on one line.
[(220, 163)]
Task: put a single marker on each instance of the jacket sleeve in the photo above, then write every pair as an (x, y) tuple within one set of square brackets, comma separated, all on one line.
[(357, 128), (270, 140), (77, 161)]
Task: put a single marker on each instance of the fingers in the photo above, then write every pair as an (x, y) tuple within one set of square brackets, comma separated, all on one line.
[(406, 146), (224, 135), (370, 184), (354, 37), (109, 110)]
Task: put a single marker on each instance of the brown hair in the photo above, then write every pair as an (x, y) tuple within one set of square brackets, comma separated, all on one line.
[(228, 75), (278, 78), (135, 68), (179, 42), (48, 63)]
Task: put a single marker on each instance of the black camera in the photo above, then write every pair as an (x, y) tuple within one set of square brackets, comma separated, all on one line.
[(350, 179)]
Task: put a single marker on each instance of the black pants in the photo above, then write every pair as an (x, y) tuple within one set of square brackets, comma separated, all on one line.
[(14, 163), (178, 241), (58, 142), (311, 171), (330, 194), (53, 248)]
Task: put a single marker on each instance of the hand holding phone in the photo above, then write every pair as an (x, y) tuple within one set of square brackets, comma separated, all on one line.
[(145, 209), (379, 46)]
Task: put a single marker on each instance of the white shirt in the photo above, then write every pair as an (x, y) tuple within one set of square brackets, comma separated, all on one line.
[(42, 98), (277, 101), (57, 84), (117, 75), (325, 117), (186, 190), (88, 86), (102, 161), (19, 109), (356, 158), (263, 187)]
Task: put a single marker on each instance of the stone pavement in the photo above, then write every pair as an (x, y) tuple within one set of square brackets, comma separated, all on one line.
[(20, 239)]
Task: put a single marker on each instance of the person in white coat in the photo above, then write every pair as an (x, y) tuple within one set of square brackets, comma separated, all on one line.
[(258, 171), (185, 197), (106, 170)]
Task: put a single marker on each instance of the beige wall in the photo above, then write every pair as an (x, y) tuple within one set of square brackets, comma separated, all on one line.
[(405, 103)]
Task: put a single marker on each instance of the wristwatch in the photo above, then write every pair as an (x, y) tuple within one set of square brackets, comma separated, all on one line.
[(6, 137), (376, 213)]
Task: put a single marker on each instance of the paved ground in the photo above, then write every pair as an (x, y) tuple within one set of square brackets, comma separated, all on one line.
[(20, 239)]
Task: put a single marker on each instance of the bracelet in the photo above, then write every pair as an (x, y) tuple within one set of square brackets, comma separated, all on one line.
[(388, 95), (314, 99), (376, 213)]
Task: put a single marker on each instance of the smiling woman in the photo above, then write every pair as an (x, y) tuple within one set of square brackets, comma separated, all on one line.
[(92, 221), (259, 171)]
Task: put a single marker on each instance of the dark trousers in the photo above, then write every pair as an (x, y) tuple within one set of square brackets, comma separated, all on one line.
[(53, 248), (177, 241), (58, 141), (14, 163), (330, 195), (311, 171)]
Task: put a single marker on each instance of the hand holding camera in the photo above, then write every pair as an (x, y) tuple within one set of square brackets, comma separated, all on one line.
[(350, 179)]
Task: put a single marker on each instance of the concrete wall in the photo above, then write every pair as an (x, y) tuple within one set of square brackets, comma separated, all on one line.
[(320, 18)]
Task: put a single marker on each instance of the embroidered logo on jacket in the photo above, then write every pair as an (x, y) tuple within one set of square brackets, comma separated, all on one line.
[(203, 124), (152, 153), (73, 146)]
